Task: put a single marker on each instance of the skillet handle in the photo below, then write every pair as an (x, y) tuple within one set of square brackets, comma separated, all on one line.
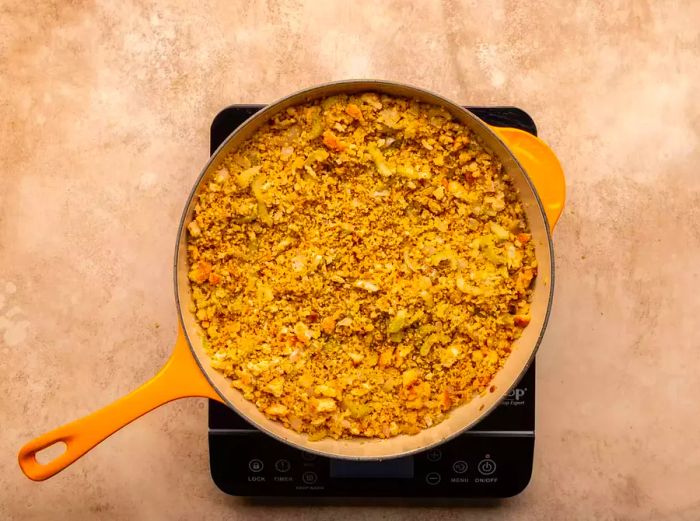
[(541, 165), (179, 378)]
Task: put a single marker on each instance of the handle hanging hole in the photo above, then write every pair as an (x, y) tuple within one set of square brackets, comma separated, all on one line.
[(50, 453)]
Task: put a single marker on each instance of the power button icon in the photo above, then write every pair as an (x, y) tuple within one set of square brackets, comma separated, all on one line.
[(487, 467)]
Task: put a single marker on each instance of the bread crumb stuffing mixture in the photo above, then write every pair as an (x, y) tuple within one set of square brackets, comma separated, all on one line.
[(360, 266)]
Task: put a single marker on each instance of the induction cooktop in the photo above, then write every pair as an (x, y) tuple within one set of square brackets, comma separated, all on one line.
[(492, 459)]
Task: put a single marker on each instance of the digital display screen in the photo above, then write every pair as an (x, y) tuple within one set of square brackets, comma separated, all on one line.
[(395, 468)]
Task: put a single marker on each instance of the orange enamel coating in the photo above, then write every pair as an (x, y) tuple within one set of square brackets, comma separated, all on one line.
[(180, 377), (542, 167)]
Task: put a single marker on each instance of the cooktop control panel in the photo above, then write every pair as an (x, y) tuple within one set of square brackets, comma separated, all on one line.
[(468, 466)]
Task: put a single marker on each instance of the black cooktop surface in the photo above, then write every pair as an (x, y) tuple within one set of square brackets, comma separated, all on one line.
[(493, 459)]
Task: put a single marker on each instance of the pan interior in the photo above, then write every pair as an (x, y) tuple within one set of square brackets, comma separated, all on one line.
[(460, 418)]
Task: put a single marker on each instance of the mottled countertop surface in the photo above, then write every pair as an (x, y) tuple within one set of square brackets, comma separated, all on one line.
[(105, 113)]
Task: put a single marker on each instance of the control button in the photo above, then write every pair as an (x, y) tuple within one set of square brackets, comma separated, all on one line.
[(282, 465), (255, 465), (434, 455), (460, 467), (308, 456), (309, 478), (433, 478), (487, 467)]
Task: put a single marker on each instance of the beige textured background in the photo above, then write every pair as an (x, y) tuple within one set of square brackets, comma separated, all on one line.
[(104, 115)]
